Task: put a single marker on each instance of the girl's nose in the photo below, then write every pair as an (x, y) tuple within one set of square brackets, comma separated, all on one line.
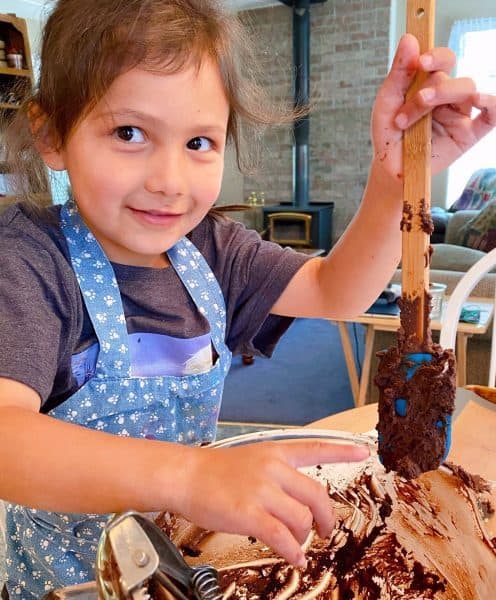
[(167, 173)]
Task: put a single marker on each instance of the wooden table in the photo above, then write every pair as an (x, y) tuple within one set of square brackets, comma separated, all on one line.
[(473, 435), (375, 322)]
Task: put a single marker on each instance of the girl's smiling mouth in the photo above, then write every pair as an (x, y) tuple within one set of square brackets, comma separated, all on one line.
[(155, 217)]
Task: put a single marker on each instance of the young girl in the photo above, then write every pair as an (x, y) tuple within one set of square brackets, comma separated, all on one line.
[(120, 310)]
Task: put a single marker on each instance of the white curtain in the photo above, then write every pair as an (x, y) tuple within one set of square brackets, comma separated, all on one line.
[(474, 43), (461, 28)]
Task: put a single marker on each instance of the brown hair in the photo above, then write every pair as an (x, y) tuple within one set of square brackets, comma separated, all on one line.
[(86, 45)]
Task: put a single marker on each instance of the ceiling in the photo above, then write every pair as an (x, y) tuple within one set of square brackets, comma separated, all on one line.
[(34, 9)]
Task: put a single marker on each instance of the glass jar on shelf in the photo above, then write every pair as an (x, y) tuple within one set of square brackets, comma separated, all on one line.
[(256, 201)]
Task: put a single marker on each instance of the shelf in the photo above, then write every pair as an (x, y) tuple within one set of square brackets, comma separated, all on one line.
[(15, 72), (41, 200), (6, 201), (5, 106), (15, 86)]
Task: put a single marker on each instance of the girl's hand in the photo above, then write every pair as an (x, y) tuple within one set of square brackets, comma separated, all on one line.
[(256, 490), (454, 131)]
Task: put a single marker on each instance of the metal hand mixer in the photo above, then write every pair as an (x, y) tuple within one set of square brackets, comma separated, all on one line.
[(134, 553)]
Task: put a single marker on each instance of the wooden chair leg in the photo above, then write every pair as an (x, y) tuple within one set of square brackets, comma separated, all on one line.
[(248, 359)]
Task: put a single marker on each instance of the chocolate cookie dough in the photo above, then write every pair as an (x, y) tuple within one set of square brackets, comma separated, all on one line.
[(416, 398), (394, 538)]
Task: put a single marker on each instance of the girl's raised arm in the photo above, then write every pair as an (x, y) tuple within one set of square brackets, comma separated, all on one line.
[(361, 263)]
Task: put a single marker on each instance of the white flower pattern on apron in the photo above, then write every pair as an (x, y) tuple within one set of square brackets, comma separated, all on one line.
[(52, 550)]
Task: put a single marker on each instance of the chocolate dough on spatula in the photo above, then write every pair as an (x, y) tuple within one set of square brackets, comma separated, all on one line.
[(416, 399)]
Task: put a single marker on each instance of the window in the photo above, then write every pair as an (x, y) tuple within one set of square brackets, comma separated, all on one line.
[(474, 42)]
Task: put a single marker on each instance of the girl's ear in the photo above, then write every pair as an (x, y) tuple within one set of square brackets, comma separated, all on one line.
[(45, 140)]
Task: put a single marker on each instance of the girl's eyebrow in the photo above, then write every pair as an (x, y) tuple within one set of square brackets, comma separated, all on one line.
[(126, 113), (140, 116)]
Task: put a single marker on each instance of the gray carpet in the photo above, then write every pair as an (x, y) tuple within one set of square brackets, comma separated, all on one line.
[(305, 380)]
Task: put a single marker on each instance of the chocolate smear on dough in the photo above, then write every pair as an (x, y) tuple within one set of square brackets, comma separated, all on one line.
[(394, 538), (473, 481)]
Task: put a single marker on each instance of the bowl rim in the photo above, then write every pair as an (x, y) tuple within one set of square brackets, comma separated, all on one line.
[(294, 433)]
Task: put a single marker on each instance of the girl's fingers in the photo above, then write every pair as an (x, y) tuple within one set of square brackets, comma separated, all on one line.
[(406, 64), (314, 495), (437, 59), (484, 102), (296, 514), (267, 497), (275, 534), (407, 61), (486, 119), (444, 90), (437, 91), (299, 453), (289, 508), (404, 67)]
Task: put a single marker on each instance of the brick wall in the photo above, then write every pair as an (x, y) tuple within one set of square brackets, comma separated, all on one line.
[(349, 55)]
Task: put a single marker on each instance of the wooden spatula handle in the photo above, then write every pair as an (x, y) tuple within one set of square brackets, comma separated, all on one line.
[(417, 179)]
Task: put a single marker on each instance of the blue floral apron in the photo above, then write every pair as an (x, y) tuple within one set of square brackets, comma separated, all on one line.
[(52, 550)]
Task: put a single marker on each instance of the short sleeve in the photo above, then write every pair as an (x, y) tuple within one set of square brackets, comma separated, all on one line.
[(34, 308), (252, 273)]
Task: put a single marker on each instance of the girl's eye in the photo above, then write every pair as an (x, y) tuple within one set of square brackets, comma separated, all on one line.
[(201, 144), (127, 133)]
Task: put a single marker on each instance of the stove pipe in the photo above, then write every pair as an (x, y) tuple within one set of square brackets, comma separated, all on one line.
[(301, 128)]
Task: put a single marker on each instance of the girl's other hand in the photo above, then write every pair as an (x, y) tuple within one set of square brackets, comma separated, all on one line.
[(257, 490), (454, 130)]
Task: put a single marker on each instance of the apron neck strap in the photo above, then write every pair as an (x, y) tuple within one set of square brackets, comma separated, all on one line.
[(100, 291)]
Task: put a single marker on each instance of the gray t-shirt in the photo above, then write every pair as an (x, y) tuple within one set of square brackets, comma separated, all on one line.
[(44, 323)]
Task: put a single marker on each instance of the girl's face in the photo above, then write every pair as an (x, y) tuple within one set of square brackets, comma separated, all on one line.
[(146, 163)]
